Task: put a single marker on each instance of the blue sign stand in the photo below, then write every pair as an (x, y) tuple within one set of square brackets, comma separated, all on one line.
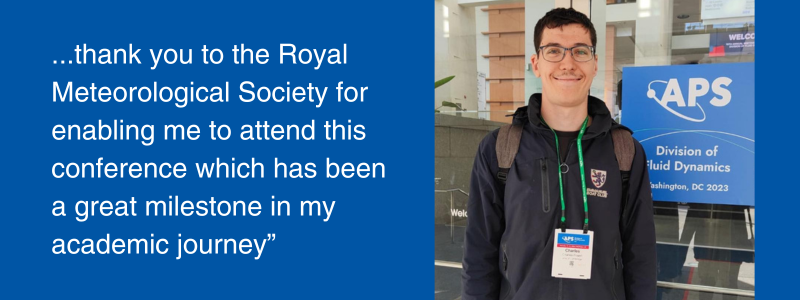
[(697, 126)]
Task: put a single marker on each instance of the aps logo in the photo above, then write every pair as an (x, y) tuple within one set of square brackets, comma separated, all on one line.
[(572, 239), (698, 87)]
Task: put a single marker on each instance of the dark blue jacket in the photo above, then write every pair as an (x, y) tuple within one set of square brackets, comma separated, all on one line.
[(509, 236)]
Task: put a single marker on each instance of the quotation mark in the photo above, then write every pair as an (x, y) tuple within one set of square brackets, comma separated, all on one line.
[(271, 237)]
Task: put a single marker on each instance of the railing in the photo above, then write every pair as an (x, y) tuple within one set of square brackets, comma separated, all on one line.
[(663, 284)]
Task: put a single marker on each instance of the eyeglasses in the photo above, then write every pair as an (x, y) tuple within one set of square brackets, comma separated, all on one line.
[(557, 53)]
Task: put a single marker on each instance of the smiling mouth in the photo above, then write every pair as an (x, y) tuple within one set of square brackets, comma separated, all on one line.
[(568, 79)]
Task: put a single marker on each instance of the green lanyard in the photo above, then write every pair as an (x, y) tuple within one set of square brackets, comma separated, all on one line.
[(582, 175)]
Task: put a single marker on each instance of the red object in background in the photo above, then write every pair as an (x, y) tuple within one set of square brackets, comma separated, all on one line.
[(686, 293), (717, 51)]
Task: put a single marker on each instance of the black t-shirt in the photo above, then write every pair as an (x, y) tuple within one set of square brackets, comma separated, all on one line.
[(564, 139)]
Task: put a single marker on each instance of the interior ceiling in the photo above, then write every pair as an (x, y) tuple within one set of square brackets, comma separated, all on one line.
[(624, 54), (624, 51), (690, 8)]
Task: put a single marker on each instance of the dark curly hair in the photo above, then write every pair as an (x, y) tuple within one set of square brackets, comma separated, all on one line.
[(559, 17)]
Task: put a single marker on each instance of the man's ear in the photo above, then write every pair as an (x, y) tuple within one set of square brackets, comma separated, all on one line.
[(535, 65), (596, 62)]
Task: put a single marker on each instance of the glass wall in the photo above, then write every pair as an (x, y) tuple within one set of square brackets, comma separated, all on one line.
[(704, 251)]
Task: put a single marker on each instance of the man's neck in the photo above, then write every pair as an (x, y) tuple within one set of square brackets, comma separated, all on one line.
[(563, 118)]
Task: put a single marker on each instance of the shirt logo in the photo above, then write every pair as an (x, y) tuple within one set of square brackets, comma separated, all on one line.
[(597, 193), (598, 178)]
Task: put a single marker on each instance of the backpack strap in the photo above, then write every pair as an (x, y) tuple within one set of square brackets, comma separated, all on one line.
[(506, 148), (625, 150)]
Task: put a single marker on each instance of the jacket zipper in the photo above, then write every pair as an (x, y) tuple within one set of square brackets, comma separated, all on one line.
[(505, 272), (505, 263), (564, 183), (560, 286), (569, 149), (545, 185), (614, 274)]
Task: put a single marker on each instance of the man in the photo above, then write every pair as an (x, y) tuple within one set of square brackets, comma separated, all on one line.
[(515, 214)]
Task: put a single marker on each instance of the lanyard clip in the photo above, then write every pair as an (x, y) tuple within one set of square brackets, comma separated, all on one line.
[(585, 228), (563, 226)]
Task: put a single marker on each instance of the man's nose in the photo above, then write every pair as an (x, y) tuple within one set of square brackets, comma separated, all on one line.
[(568, 63)]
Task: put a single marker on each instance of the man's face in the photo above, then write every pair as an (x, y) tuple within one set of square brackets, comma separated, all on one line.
[(565, 83)]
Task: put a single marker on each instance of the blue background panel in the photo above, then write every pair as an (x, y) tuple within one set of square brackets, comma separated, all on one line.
[(378, 242), (697, 126)]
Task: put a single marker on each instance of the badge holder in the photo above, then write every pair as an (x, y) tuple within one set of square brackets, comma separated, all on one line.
[(572, 254)]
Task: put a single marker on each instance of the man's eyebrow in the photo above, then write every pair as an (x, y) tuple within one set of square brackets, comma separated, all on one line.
[(558, 44), (552, 44)]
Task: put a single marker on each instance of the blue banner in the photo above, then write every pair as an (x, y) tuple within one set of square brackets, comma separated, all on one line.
[(101, 215), (732, 43), (697, 126)]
